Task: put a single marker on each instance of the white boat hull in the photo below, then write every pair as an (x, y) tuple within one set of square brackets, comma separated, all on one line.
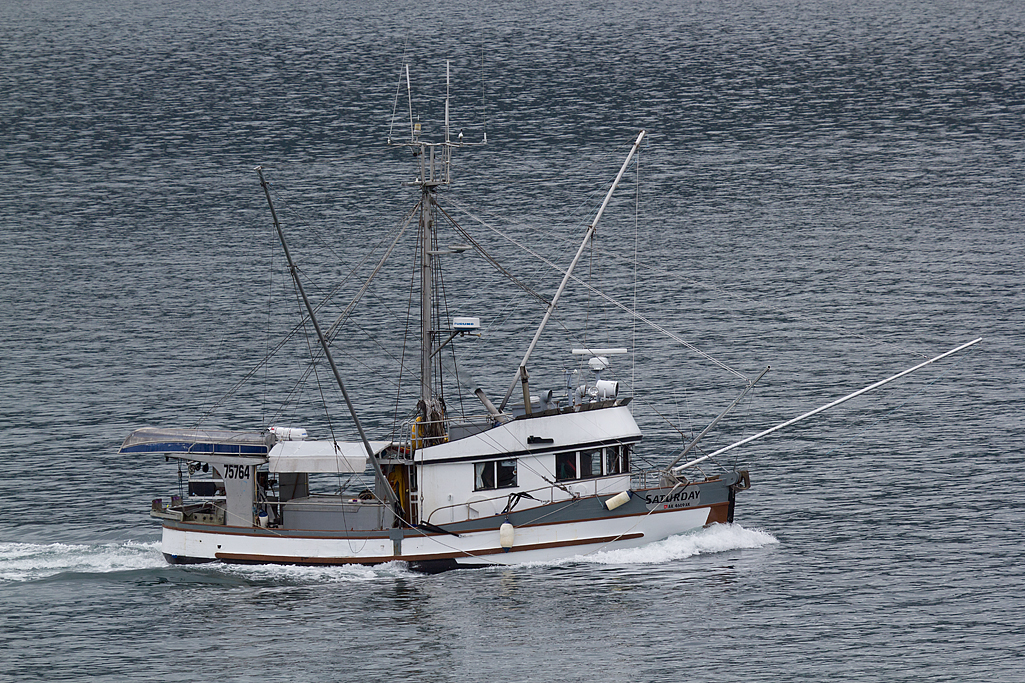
[(185, 543)]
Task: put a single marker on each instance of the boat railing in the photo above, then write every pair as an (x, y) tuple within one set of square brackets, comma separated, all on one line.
[(346, 498), (419, 433), (639, 479), (489, 504), (327, 511), (656, 477), (510, 500)]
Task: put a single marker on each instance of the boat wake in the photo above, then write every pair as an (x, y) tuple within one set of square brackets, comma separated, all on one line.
[(33, 561), (717, 538), (298, 574), (20, 562), (23, 562)]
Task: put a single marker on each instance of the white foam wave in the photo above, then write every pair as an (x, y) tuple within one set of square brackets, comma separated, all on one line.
[(717, 538), (291, 574), (31, 561)]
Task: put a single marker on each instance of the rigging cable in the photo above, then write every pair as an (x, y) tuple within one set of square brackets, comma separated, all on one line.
[(405, 340), (611, 300), (263, 362), (398, 89), (333, 329), (483, 101), (492, 260)]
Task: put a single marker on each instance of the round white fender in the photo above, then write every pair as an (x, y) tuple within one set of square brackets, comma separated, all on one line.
[(617, 500)]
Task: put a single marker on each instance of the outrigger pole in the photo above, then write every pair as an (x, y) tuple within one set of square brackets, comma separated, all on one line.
[(714, 422), (521, 370), (677, 470), (382, 481)]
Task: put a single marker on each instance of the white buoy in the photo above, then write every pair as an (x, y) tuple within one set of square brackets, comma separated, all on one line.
[(617, 500), (506, 535)]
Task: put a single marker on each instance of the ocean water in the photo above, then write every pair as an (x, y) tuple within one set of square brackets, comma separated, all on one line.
[(834, 191)]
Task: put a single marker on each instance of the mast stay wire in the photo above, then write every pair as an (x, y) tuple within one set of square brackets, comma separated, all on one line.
[(627, 309), (334, 328), (507, 308), (492, 260), (300, 325), (662, 272)]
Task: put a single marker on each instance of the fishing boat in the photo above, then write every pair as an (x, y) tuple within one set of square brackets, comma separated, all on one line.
[(534, 478)]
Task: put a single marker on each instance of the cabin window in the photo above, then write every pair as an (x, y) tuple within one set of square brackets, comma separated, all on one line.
[(617, 459), (506, 471), (496, 474), (204, 488), (565, 466), (592, 463)]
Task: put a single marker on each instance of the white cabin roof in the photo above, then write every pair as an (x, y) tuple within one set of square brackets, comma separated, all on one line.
[(567, 430), (333, 457)]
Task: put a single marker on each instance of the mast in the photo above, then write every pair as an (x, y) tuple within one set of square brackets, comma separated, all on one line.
[(434, 160), (427, 293), (435, 163)]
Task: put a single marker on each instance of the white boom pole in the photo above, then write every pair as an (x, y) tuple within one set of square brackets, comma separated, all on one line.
[(569, 272), (838, 401)]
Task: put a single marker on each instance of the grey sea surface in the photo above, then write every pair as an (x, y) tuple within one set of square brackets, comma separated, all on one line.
[(835, 190)]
